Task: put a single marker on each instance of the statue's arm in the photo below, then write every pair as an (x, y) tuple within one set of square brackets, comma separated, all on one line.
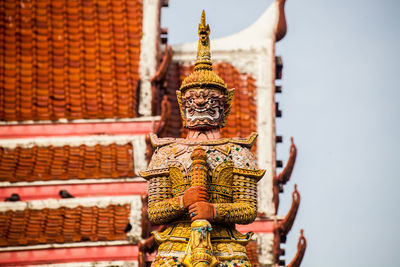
[(243, 209), (162, 206)]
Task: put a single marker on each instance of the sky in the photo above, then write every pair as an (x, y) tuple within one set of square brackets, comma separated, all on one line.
[(341, 103)]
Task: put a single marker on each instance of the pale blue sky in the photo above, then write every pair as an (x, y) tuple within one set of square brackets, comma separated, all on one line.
[(340, 101)]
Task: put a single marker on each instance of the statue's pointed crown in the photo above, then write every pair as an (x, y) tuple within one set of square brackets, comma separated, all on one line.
[(203, 75)]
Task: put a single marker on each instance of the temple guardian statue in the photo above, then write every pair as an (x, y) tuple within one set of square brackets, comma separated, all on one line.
[(201, 186)]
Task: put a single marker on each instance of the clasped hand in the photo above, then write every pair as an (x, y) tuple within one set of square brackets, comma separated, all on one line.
[(195, 199)]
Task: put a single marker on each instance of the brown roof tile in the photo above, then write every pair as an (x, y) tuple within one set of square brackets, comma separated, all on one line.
[(173, 82), (66, 162), (252, 252), (63, 225), (69, 59)]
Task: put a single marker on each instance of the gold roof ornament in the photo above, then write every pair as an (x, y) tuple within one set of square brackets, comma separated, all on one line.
[(203, 75)]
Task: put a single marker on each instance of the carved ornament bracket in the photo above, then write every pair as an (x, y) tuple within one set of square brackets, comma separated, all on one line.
[(283, 227), (284, 176)]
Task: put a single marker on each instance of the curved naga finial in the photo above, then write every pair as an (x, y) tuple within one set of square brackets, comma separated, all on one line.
[(281, 27), (203, 50), (301, 249), (282, 228), (284, 176), (286, 224)]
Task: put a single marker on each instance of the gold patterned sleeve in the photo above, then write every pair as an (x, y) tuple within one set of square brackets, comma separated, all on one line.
[(163, 207), (243, 209)]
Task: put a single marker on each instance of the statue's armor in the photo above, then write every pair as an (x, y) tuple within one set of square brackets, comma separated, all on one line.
[(232, 188)]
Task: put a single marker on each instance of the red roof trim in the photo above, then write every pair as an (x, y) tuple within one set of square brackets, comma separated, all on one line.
[(259, 226), (75, 129), (29, 193), (64, 255)]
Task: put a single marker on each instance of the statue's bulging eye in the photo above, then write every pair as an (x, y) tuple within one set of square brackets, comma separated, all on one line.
[(211, 101), (190, 101)]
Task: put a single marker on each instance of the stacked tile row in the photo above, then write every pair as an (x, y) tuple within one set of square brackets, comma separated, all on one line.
[(66, 162), (242, 120), (252, 253), (69, 59), (63, 225), (173, 82)]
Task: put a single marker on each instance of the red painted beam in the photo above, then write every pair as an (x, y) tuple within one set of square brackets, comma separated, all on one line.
[(75, 129), (77, 190), (101, 253), (258, 226), (65, 255)]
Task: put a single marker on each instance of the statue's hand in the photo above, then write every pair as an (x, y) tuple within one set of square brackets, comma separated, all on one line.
[(194, 194), (202, 210)]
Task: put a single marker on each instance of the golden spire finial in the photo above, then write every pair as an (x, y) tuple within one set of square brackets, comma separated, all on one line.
[(203, 18), (203, 50)]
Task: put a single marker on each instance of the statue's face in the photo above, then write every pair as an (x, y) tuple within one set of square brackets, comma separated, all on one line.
[(203, 108), (203, 36)]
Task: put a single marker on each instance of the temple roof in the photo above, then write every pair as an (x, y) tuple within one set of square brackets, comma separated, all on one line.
[(44, 163), (70, 220), (63, 225), (69, 59)]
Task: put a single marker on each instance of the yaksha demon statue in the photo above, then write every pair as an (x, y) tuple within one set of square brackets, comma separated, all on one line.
[(201, 186)]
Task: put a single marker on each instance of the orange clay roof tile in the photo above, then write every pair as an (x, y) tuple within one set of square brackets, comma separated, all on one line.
[(67, 162), (252, 252), (63, 225), (69, 59)]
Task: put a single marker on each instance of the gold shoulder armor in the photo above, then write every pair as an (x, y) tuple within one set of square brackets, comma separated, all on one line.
[(147, 174), (247, 142), (159, 142), (256, 174)]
